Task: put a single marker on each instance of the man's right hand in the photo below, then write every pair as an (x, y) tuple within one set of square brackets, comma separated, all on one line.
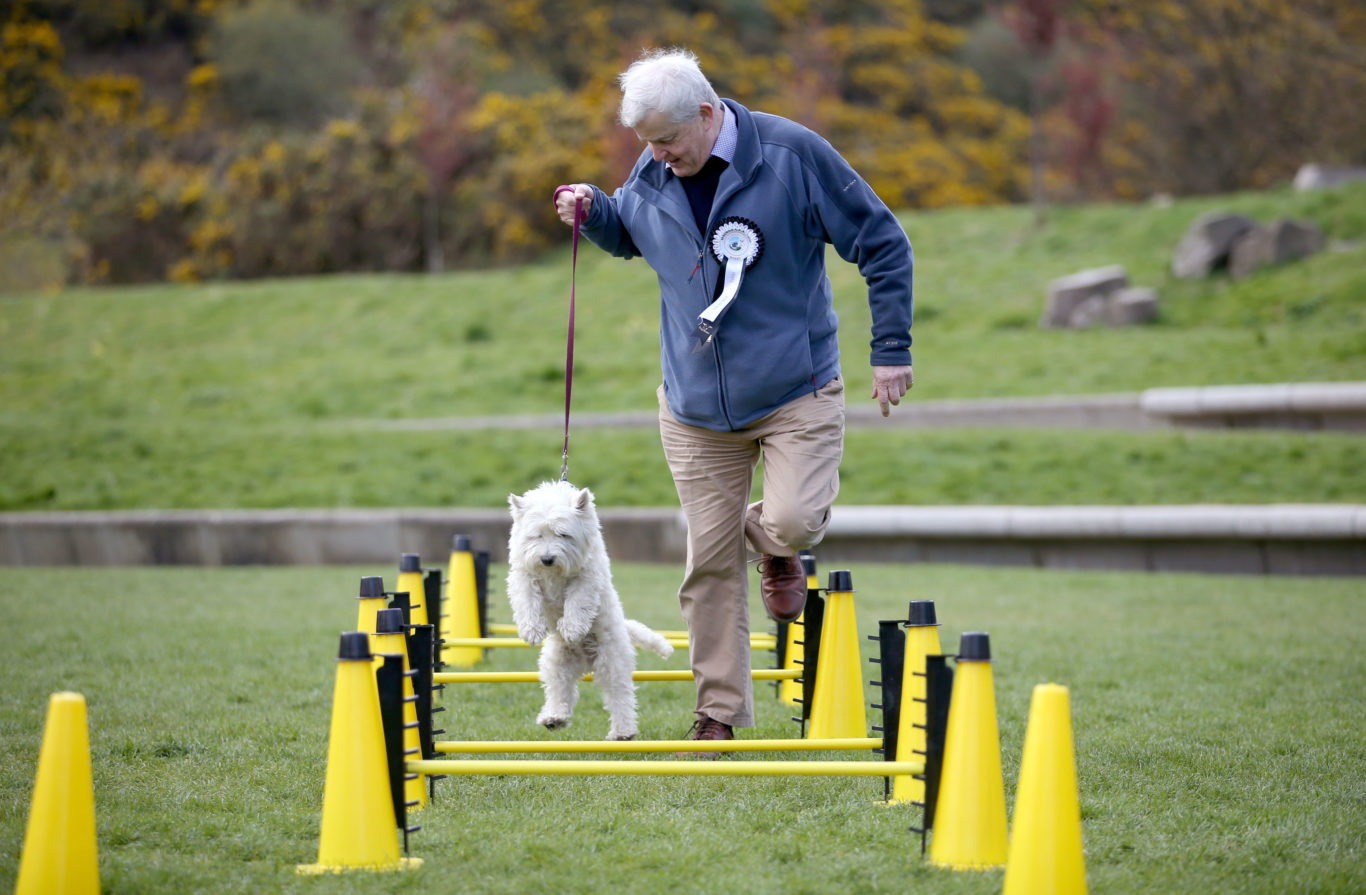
[(565, 198)]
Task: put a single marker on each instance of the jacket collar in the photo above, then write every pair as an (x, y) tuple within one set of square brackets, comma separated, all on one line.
[(747, 155)]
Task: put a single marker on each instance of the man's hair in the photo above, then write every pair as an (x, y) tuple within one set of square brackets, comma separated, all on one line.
[(667, 81)]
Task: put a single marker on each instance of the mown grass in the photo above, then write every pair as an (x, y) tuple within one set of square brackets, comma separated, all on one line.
[(257, 394), (1218, 723), (312, 464)]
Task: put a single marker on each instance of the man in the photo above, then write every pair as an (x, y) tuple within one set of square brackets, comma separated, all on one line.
[(733, 210)]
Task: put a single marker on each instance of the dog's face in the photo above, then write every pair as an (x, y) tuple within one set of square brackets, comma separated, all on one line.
[(552, 526)]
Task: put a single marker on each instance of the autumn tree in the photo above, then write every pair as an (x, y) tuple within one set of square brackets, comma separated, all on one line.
[(1232, 94), (1038, 27), (444, 90)]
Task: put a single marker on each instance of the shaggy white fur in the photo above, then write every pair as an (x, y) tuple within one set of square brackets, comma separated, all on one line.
[(560, 587)]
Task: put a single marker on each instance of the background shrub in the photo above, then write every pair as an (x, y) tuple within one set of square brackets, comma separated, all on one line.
[(283, 64)]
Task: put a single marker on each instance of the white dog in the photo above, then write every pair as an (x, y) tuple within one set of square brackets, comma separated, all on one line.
[(560, 587)]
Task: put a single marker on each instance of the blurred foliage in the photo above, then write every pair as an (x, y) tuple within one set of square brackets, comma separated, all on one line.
[(189, 139), (1219, 95), (281, 63)]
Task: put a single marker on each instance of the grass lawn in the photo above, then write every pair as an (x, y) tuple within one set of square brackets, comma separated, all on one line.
[(256, 394), (314, 464), (1218, 723)]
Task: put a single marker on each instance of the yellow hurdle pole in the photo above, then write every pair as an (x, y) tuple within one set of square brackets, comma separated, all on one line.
[(755, 643), (560, 767), (566, 747), (531, 677), (770, 640)]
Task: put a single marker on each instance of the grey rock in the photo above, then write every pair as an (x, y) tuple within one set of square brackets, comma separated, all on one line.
[(1134, 306), (1282, 241), (1098, 297), (1068, 294), (1090, 313), (1326, 177), (1207, 242)]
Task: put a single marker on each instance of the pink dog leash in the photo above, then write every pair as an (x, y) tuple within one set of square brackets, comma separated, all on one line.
[(569, 349)]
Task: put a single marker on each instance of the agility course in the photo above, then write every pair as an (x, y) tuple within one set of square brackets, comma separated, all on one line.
[(201, 786), (945, 745), (382, 764)]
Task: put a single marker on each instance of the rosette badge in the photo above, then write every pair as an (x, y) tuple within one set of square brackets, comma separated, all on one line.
[(737, 243)]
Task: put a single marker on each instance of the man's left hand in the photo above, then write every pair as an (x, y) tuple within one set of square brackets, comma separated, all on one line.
[(889, 385)]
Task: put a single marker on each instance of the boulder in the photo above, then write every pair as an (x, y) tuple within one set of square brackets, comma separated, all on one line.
[(1207, 242), (1284, 240), (1068, 294), (1098, 297), (1132, 307), (1091, 312), (1325, 177)]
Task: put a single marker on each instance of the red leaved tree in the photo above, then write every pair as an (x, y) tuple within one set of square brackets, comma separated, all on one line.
[(1038, 24), (445, 90)]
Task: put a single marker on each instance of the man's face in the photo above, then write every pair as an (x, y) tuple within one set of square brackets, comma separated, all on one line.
[(684, 146)]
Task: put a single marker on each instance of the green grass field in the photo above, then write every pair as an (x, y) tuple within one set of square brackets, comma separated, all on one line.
[(258, 394), (1218, 725)]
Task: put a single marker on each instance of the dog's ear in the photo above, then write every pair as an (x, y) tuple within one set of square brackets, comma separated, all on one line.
[(518, 505), (584, 500)]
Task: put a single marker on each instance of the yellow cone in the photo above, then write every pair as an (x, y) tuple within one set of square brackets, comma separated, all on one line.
[(970, 814), (922, 639), (410, 582), (371, 602), (790, 692), (837, 706), (1045, 848), (390, 639), (59, 856), (461, 617), (359, 831)]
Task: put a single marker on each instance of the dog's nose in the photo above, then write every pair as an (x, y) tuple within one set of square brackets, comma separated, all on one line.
[(547, 559)]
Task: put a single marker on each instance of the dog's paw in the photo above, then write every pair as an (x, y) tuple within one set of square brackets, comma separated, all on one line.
[(532, 634), (552, 722), (621, 737), (573, 632)]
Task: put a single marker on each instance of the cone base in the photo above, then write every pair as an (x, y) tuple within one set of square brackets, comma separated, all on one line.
[(319, 869), (942, 865)]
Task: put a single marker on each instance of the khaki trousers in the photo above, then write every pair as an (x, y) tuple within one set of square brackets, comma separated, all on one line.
[(801, 444)]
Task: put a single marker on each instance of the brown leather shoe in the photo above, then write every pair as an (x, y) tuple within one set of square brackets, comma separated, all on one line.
[(783, 586), (705, 728)]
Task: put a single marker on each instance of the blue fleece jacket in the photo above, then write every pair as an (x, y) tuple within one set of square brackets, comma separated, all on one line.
[(777, 342)]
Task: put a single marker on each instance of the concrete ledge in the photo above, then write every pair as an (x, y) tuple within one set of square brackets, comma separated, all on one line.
[(1291, 539), (1298, 405), (1339, 406), (1195, 522), (1300, 539), (1070, 412)]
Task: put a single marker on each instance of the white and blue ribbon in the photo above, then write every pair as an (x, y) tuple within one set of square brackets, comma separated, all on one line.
[(737, 243)]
